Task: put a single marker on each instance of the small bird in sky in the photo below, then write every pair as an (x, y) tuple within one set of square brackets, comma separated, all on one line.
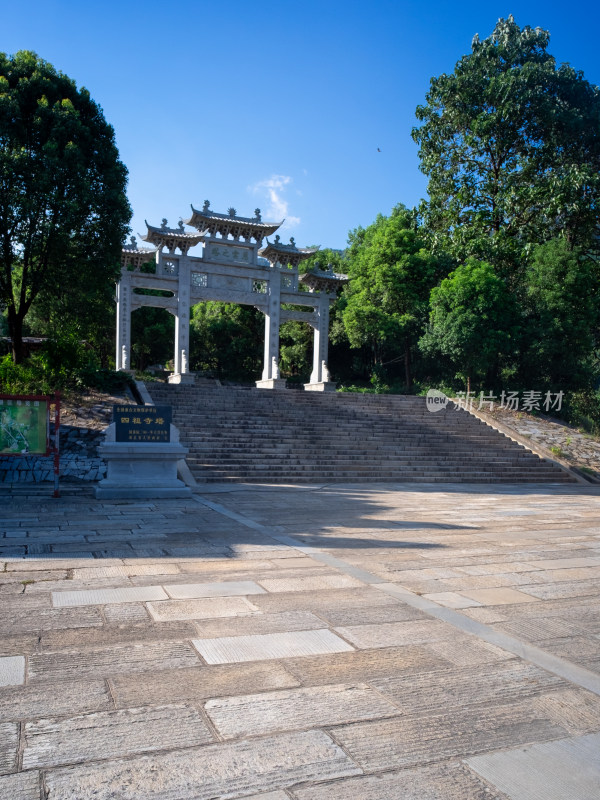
[(378, 150)]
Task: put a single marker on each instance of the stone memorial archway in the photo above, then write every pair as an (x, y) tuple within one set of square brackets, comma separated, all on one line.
[(234, 268)]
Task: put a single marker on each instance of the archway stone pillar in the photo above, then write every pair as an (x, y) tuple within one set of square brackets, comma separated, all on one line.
[(124, 300), (270, 375), (320, 379)]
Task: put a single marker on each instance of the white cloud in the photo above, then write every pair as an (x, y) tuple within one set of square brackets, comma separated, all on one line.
[(273, 189)]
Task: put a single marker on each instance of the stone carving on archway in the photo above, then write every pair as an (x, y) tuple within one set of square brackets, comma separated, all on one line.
[(234, 267)]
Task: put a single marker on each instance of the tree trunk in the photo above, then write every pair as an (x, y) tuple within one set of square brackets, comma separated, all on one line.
[(407, 371), (468, 385), (15, 331)]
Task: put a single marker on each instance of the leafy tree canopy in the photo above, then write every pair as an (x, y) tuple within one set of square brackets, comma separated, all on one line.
[(63, 208), (392, 274), (473, 320), (510, 142), (226, 339), (562, 307)]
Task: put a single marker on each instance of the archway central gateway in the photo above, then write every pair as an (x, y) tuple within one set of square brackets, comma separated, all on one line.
[(234, 268)]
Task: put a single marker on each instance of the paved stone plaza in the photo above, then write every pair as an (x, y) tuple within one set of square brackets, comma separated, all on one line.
[(348, 642)]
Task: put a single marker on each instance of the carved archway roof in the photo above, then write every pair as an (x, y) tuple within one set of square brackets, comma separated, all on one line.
[(286, 253), (132, 255), (323, 281), (172, 237), (212, 223)]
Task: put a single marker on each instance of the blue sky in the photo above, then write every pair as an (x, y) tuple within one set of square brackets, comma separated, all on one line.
[(278, 105)]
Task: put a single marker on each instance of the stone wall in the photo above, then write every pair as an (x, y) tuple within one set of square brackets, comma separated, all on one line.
[(79, 460)]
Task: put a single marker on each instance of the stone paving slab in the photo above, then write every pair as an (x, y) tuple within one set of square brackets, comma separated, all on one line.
[(227, 650), (309, 584), (497, 597), (576, 710), (224, 770), (449, 781), (36, 619), (72, 585), (124, 633), (100, 662), (322, 601), (112, 734), (12, 670), (199, 683), (101, 596), (126, 612), (202, 608), (394, 633), (67, 697), (19, 644), (452, 599), (9, 738), (415, 740), (371, 614), (124, 571), (23, 786), (365, 665), (568, 769), (286, 621), (540, 628), (501, 683), (566, 590), (566, 563), (293, 709), (187, 591), (464, 651), (19, 577)]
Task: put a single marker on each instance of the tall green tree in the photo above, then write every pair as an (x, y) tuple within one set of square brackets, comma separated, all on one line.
[(562, 317), (63, 208), (473, 322), (392, 274), (227, 340), (510, 142)]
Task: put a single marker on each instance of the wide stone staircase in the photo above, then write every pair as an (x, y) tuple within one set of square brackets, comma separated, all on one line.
[(238, 434)]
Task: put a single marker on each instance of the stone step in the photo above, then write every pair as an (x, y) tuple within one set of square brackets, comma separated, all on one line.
[(433, 477), (244, 434)]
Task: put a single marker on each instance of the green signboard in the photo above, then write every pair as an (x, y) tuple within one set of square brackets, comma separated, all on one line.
[(23, 426)]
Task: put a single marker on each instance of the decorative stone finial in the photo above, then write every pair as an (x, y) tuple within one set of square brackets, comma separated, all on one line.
[(133, 242), (275, 368), (180, 226), (257, 216), (292, 241), (277, 238), (325, 376), (206, 206), (164, 224), (231, 211)]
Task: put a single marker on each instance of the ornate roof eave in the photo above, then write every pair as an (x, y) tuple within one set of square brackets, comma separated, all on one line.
[(161, 236), (329, 281), (137, 251), (288, 254), (287, 250), (213, 222), (134, 256)]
